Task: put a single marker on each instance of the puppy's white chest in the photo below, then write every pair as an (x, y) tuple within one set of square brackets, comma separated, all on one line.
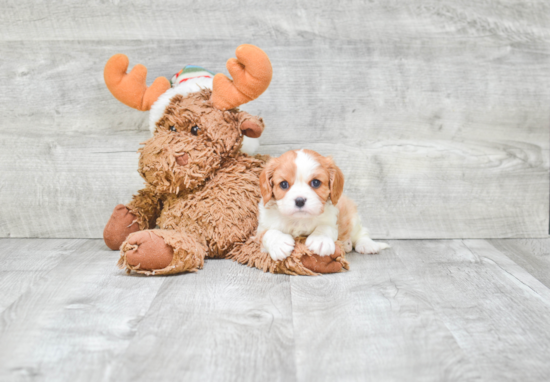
[(271, 218), (298, 227)]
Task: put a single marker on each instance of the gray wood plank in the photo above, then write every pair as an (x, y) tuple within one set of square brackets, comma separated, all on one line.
[(72, 322), (25, 262), (69, 186), (144, 19), (227, 322), (442, 189), (530, 254), (432, 146), (373, 323), (497, 312)]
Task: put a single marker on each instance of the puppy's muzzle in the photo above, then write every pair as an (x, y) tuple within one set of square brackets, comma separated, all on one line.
[(182, 160)]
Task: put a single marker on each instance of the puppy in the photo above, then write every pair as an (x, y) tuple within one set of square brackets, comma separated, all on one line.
[(302, 196)]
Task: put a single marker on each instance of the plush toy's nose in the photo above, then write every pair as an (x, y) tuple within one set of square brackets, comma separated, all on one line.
[(182, 159)]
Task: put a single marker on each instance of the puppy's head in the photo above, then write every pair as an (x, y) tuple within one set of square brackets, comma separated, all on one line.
[(301, 182)]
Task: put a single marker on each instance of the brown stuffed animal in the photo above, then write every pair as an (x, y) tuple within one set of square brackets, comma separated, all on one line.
[(201, 190)]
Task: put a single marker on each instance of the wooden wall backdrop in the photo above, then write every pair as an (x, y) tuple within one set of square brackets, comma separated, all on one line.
[(438, 112)]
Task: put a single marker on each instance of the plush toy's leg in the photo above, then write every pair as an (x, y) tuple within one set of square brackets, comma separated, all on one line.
[(120, 225), (161, 252), (301, 262)]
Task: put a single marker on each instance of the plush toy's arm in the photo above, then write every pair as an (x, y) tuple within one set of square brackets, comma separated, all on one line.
[(146, 207), (140, 214)]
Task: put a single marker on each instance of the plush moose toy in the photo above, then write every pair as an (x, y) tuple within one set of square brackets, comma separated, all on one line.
[(200, 189)]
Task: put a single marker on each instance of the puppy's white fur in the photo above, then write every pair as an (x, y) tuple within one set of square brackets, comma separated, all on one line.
[(321, 230), (282, 220)]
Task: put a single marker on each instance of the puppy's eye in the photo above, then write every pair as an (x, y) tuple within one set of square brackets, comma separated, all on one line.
[(173, 128), (195, 130), (283, 184), (315, 183)]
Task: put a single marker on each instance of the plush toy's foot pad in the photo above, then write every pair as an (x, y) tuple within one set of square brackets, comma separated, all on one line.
[(325, 264), (161, 252), (121, 224), (146, 251)]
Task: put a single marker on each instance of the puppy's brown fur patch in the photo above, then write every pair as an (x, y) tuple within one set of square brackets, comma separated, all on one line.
[(346, 210)]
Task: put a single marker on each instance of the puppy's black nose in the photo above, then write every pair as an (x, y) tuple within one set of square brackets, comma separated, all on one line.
[(300, 202)]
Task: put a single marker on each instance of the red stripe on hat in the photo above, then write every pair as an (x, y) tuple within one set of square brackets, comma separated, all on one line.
[(190, 78)]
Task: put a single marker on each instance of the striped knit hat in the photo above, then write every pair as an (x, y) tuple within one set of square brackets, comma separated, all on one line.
[(189, 72)]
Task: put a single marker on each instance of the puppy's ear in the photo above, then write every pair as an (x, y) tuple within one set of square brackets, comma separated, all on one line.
[(266, 186), (336, 181)]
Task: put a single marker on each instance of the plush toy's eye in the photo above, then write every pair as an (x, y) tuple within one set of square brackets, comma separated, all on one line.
[(195, 130), (315, 183), (283, 184), (173, 128)]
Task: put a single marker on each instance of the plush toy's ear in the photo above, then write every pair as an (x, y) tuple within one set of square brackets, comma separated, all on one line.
[(266, 187), (252, 127), (336, 182)]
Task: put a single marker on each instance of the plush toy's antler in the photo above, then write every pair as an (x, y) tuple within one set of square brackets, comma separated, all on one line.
[(251, 73), (130, 88)]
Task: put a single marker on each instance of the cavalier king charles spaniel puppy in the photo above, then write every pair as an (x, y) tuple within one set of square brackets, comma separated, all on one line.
[(302, 196)]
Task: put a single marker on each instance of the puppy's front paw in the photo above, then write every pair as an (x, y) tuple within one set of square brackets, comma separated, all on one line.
[(367, 246), (320, 245), (279, 245)]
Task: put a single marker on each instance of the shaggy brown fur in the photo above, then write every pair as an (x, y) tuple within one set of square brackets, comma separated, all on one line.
[(203, 194)]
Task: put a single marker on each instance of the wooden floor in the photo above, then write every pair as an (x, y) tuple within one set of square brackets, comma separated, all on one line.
[(423, 310)]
